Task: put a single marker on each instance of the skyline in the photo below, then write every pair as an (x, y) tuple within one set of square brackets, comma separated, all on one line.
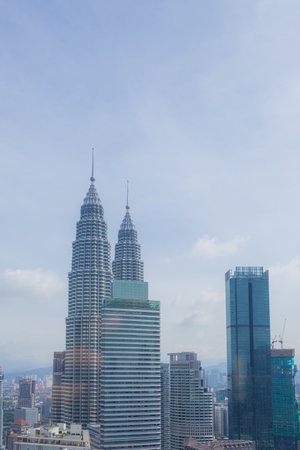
[(198, 108)]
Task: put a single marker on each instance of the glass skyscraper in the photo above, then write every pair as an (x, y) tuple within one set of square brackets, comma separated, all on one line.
[(285, 415), (130, 353), (89, 283), (249, 356)]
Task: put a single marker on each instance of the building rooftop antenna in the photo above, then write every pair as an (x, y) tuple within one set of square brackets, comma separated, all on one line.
[(127, 202), (93, 163)]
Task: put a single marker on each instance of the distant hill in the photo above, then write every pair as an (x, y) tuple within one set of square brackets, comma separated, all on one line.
[(40, 373)]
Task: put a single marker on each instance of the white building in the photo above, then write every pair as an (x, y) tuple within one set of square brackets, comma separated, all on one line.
[(191, 402), (54, 437)]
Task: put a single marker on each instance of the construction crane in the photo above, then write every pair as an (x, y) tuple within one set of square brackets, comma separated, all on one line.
[(280, 337), (280, 340)]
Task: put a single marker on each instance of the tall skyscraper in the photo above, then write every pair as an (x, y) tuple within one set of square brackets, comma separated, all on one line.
[(165, 406), (89, 283), (191, 403), (285, 416), (248, 356), (26, 397), (130, 349)]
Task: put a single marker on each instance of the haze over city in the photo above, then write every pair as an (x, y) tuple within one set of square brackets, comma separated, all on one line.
[(197, 104)]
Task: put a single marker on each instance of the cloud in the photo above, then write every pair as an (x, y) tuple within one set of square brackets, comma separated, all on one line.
[(284, 301), (33, 304), (35, 285), (290, 270), (209, 247)]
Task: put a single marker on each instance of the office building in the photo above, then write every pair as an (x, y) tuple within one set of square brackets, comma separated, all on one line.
[(89, 283), (222, 396), (193, 444), (28, 415), (165, 406), (57, 386), (26, 398), (285, 416), (191, 402), (130, 348), (249, 356), (221, 420)]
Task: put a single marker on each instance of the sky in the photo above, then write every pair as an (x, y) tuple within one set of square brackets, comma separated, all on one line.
[(197, 103)]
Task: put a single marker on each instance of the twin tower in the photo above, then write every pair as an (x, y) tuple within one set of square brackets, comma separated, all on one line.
[(108, 378)]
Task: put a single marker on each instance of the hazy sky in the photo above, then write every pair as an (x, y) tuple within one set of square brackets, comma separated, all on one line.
[(197, 103)]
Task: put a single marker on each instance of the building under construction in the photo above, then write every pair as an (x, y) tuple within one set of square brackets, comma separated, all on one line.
[(285, 415)]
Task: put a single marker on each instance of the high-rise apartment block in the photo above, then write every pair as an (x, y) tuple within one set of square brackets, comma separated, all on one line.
[(130, 349), (26, 397), (249, 356), (165, 406), (191, 402), (285, 415)]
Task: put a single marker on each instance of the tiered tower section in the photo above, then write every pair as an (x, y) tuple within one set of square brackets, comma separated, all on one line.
[(89, 283), (130, 346), (128, 264)]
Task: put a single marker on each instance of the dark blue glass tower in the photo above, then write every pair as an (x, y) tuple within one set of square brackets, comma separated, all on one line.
[(248, 356)]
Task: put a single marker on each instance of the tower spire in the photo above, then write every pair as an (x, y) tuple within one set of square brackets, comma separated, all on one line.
[(92, 177), (127, 203)]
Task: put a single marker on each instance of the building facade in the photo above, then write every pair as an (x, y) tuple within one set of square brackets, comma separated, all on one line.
[(130, 349), (165, 406), (191, 402), (193, 444), (29, 415), (285, 416), (26, 397), (89, 283), (57, 437), (221, 420), (248, 356), (57, 386)]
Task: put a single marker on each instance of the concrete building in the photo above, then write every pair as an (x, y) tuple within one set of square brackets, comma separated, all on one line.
[(57, 386), (130, 349), (221, 420), (26, 398), (165, 406), (89, 284), (29, 415), (285, 415), (191, 402), (193, 444), (249, 356), (55, 437)]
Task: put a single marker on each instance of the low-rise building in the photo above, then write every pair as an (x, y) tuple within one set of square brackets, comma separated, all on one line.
[(193, 444), (29, 415), (53, 437)]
